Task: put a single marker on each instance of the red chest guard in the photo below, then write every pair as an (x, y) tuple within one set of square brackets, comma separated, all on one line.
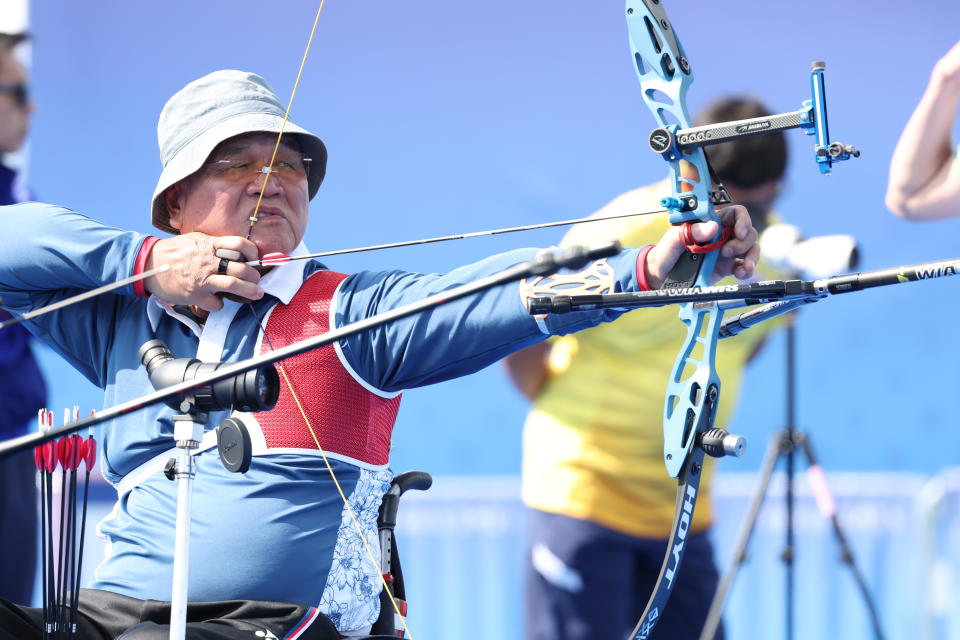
[(348, 418)]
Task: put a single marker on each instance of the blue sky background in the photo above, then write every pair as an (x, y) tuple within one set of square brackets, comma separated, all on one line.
[(447, 117)]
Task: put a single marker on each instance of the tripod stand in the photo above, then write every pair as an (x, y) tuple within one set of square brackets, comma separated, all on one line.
[(785, 445)]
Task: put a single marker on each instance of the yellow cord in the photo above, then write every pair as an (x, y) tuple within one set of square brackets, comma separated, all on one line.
[(346, 503), (296, 399), (286, 117)]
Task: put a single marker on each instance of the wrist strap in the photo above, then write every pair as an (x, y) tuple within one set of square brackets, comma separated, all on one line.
[(642, 268), (140, 265)]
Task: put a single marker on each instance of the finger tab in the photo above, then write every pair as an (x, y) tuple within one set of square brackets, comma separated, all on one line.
[(228, 254)]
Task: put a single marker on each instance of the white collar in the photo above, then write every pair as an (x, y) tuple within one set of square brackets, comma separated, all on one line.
[(281, 282)]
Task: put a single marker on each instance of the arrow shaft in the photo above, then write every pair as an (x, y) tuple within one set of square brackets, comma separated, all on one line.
[(86, 295), (459, 236), (512, 274)]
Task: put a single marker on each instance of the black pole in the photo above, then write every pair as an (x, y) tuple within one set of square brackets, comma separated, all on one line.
[(846, 550), (788, 444), (739, 557), (785, 444)]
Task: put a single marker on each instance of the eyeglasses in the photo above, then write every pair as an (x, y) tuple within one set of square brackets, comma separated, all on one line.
[(19, 91), (240, 169)]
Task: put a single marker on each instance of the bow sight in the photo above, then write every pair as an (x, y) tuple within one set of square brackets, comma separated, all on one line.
[(672, 142)]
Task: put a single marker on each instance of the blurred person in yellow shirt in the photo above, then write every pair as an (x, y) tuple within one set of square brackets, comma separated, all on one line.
[(600, 502)]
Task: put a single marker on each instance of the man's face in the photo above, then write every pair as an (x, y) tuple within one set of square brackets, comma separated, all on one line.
[(758, 200), (14, 111), (219, 199)]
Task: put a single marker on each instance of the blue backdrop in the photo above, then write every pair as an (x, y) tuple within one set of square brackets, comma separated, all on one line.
[(446, 117)]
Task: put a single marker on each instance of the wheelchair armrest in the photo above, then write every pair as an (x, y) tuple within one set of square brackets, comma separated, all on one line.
[(418, 480)]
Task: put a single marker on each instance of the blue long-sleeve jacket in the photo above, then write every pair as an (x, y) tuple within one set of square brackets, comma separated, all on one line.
[(278, 532), (24, 391)]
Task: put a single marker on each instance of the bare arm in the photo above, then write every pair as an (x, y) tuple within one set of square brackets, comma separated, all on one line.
[(528, 369), (924, 181)]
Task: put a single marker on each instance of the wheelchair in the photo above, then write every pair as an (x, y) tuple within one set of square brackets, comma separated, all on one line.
[(388, 625)]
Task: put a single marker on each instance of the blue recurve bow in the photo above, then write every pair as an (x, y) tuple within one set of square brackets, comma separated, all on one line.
[(693, 390)]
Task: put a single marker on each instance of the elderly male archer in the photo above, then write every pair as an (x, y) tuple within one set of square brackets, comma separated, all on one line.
[(274, 548)]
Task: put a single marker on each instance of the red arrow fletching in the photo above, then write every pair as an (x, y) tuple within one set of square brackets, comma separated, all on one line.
[(50, 456), (274, 259), (89, 453), (38, 452), (65, 451), (78, 451)]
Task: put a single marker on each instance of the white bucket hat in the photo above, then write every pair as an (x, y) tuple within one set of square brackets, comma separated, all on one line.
[(212, 109)]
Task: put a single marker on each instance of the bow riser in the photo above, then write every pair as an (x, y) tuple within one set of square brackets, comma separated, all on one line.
[(693, 373), (665, 76)]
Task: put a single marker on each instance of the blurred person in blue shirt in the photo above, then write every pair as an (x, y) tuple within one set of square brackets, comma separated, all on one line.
[(23, 389)]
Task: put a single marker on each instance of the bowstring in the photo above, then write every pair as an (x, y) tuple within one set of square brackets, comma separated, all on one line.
[(253, 220), (286, 118), (326, 461)]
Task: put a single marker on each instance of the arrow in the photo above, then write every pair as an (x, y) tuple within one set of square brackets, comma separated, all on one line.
[(83, 296), (276, 259)]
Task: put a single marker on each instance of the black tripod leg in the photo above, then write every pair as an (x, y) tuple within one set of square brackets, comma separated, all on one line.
[(774, 449), (828, 505), (789, 448), (789, 443)]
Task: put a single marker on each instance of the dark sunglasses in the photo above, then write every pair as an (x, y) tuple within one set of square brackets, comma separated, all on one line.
[(19, 92)]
